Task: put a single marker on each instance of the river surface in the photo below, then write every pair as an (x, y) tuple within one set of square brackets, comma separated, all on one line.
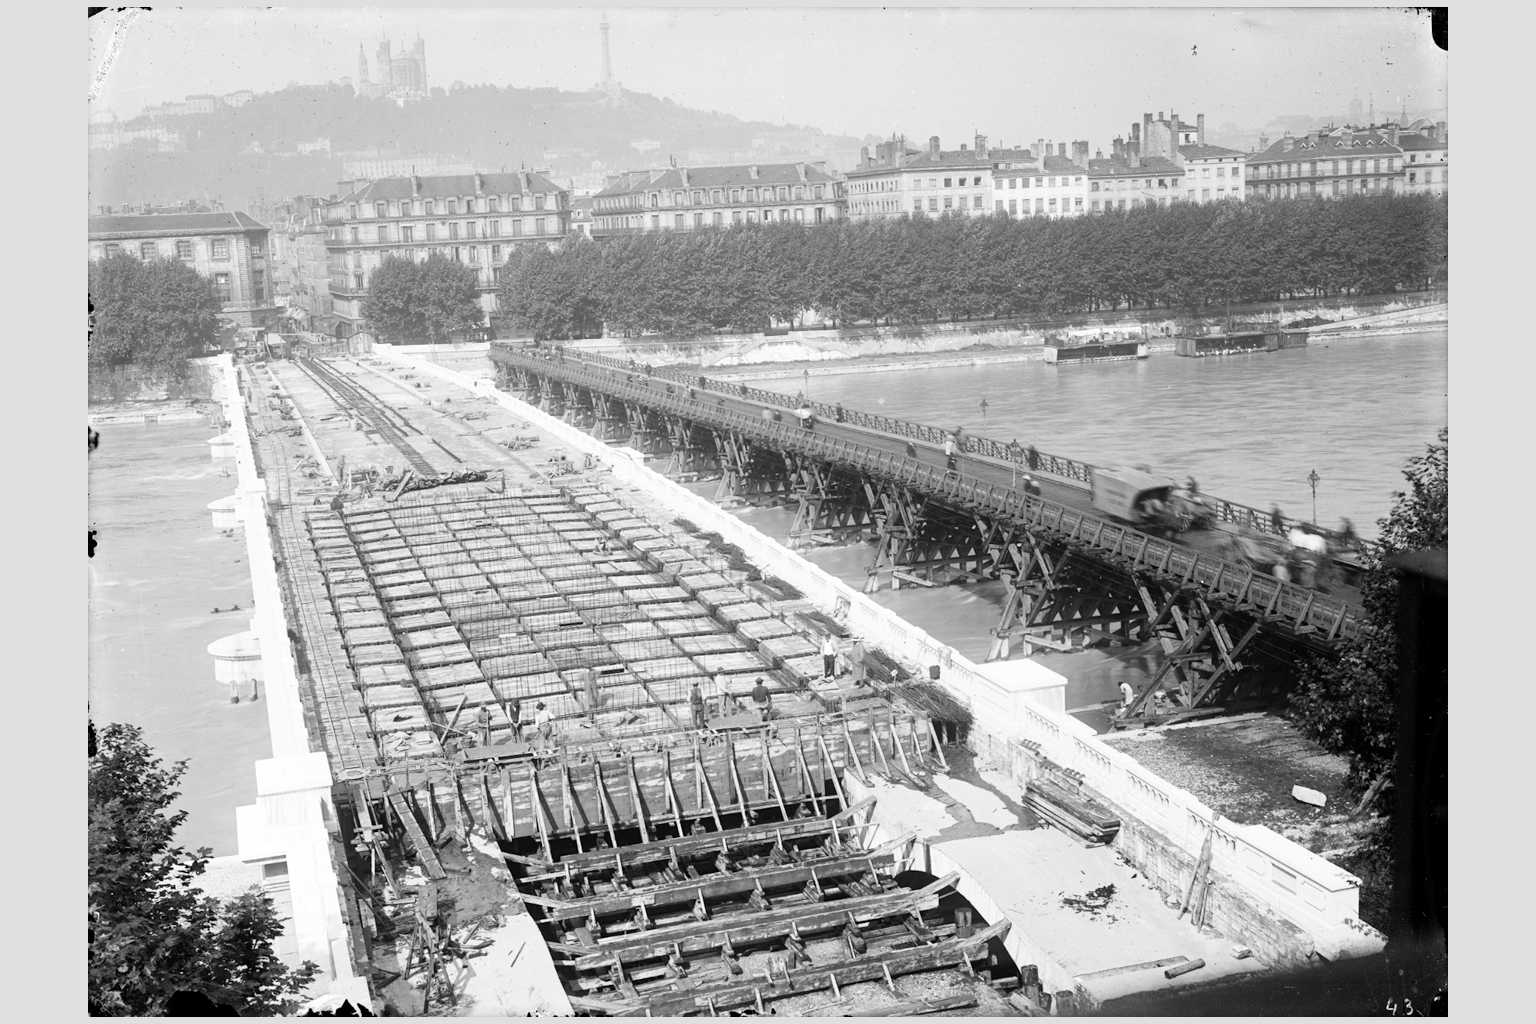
[(159, 571), (1248, 427)]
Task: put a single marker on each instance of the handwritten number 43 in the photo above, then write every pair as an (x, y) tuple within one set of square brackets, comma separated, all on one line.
[(1403, 1009)]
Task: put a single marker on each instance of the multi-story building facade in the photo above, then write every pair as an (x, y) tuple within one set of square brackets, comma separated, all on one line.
[(896, 180), (476, 219), (691, 198), (230, 249), (1212, 173), (1040, 182), (581, 216), (1426, 158), (1126, 179), (1328, 162)]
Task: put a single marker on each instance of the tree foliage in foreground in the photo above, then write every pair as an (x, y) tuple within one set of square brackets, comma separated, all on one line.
[(431, 300), (1348, 704), (151, 931), (152, 314), (1192, 259)]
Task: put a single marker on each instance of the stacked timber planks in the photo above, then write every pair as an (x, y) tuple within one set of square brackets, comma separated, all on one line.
[(1058, 798)]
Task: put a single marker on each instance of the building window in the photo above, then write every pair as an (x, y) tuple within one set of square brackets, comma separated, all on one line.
[(495, 254), (380, 210), (355, 235), (407, 233), (112, 249), (1013, 206), (751, 216), (220, 247), (259, 285), (1053, 204), (495, 204), (783, 194), (494, 228), (453, 229), (431, 232), (357, 260), (474, 254), (1077, 203), (751, 195), (147, 251), (517, 203), (453, 206), (736, 217), (816, 193), (962, 202), (949, 202), (183, 249), (469, 229), (933, 204), (1039, 205), (1205, 195), (799, 192), (383, 232), (998, 206), (819, 212), (1095, 205), (917, 206), (517, 228), (538, 225), (357, 282), (799, 213)]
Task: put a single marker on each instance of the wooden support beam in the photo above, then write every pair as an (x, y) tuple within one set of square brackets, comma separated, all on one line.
[(677, 805), (568, 800), (718, 886), (852, 756), (696, 937), (634, 795), (605, 804), (541, 814), (805, 773), (702, 782), (729, 994), (778, 794), (831, 768), (739, 791)]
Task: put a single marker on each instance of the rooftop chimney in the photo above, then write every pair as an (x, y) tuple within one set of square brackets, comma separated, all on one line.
[(933, 146), (1039, 149), (415, 185), (962, 148), (1287, 142), (981, 146), (479, 183), (1312, 138), (864, 160), (1160, 115), (1119, 149), (1135, 149), (1098, 154), (1061, 149), (1263, 143), (1135, 131), (1146, 125), (752, 172), (683, 174), (1200, 128)]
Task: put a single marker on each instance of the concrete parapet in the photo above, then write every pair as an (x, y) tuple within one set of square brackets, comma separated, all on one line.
[(288, 831), (237, 663), (1015, 726), (226, 512)]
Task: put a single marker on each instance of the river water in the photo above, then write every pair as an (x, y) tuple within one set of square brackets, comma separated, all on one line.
[(159, 571)]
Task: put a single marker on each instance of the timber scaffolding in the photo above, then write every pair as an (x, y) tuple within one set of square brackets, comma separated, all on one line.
[(726, 922)]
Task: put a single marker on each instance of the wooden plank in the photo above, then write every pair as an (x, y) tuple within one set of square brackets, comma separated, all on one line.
[(773, 777), (605, 803), (568, 799), (424, 851), (702, 782), (805, 773), (660, 703), (830, 768)]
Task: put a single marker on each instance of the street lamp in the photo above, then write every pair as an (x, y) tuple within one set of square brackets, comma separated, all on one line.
[(1313, 478), (806, 375)]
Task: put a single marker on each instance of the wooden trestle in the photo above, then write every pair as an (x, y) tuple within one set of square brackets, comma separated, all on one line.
[(745, 916)]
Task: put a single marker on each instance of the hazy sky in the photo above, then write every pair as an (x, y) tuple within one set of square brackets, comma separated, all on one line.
[(1013, 74)]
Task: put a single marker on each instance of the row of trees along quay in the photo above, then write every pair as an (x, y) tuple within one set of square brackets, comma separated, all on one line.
[(1192, 259)]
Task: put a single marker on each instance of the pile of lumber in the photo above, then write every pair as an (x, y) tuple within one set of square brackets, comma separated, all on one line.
[(1071, 810)]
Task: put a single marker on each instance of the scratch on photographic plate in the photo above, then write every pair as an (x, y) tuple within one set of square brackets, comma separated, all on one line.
[(119, 31)]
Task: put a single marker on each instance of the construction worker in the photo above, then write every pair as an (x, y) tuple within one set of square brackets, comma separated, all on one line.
[(515, 714), (829, 657), (762, 700), (856, 662), (716, 691), (589, 685), (1126, 694), (544, 722), (696, 706), (483, 725)]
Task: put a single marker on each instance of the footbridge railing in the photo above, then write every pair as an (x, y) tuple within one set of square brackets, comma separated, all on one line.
[(1295, 609), (1025, 457)]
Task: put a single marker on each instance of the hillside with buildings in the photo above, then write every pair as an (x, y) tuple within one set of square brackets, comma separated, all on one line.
[(303, 139)]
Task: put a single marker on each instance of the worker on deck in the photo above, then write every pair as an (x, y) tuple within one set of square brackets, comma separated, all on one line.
[(696, 706), (515, 715), (589, 684), (856, 662), (716, 692), (483, 725), (829, 657), (544, 722), (762, 700)]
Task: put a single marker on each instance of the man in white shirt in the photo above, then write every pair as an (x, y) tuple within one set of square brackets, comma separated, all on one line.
[(829, 657), (714, 689)]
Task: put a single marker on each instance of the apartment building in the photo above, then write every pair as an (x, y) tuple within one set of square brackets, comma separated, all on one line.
[(692, 198)]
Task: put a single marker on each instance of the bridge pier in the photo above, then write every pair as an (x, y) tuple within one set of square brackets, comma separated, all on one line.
[(830, 503), (692, 450), (748, 473)]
